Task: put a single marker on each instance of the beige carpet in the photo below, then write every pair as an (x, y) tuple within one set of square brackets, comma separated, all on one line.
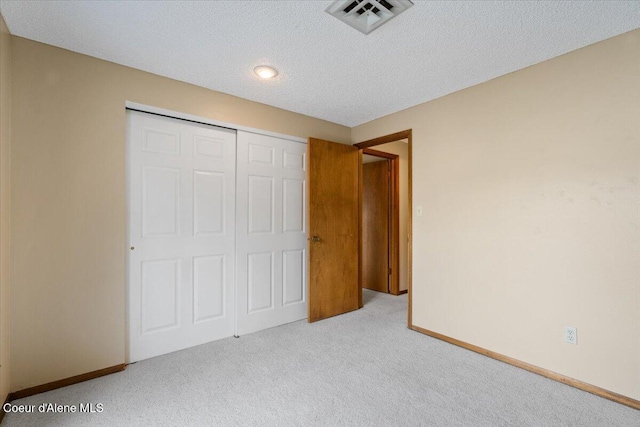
[(361, 369)]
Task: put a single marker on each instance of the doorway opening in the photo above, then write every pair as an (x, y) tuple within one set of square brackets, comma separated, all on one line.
[(334, 208), (381, 219), (388, 145)]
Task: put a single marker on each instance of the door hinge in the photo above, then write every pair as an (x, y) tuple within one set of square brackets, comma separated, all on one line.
[(389, 271)]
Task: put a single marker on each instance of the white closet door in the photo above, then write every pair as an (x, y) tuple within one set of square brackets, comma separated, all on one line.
[(181, 189), (271, 232)]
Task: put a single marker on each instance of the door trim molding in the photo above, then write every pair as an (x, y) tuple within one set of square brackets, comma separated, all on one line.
[(392, 137), (598, 391), (408, 135), (377, 153)]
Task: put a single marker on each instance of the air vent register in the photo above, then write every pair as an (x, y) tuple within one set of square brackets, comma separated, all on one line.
[(367, 15)]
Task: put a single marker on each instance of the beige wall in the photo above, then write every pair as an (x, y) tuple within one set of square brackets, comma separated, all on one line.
[(530, 185), (401, 149), (5, 207), (68, 175)]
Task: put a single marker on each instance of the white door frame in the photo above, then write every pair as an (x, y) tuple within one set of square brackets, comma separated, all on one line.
[(184, 116)]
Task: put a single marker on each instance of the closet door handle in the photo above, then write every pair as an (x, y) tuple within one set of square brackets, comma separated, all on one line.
[(315, 239)]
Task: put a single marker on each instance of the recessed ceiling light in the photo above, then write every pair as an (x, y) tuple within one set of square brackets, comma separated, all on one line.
[(265, 72)]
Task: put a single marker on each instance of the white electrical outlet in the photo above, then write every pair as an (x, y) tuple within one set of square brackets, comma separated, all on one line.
[(419, 210), (570, 335)]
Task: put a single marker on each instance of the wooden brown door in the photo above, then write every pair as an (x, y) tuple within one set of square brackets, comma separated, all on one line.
[(375, 226), (334, 228)]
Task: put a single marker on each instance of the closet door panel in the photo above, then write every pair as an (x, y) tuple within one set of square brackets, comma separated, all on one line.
[(181, 264), (270, 230)]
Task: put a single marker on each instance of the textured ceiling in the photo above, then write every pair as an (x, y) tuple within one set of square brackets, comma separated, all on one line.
[(327, 69)]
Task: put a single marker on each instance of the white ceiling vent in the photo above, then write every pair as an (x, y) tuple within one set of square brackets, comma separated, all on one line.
[(367, 15)]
